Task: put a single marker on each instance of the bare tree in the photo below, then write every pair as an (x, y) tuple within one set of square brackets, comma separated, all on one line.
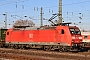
[(24, 23)]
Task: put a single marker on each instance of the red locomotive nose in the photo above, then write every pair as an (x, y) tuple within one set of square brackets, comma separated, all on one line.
[(77, 39)]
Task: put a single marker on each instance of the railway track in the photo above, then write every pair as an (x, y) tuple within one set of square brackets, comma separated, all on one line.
[(18, 54)]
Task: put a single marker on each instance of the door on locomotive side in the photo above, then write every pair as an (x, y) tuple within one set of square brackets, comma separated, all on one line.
[(58, 35), (62, 36)]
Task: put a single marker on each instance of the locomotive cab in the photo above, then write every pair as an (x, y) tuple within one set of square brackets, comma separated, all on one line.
[(76, 36), (69, 36)]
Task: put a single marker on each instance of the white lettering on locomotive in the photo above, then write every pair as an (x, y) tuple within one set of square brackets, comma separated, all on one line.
[(30, 35)]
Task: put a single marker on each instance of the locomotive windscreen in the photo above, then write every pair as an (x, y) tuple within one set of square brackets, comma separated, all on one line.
[(74, 31)]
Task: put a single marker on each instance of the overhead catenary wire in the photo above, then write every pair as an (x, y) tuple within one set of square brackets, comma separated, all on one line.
[(53, 6), (49, 10), (83, 6), (11, 2)]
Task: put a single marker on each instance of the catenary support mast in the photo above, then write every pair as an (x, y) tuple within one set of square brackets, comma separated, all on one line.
[(41, 18), (60, 12), (5, 14)]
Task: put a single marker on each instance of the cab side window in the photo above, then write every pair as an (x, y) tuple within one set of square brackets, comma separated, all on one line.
[(7, 33), (62, 31)]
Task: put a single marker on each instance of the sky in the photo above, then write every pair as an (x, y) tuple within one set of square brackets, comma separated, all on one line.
[(75, 11)]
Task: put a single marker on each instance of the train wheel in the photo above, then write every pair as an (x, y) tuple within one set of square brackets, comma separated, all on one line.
[(16, 46), (1, 45), (60, 50), (22, 47), (47, 48), (63, 49)]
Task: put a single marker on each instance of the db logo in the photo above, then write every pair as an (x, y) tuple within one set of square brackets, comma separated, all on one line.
[(30, 35)]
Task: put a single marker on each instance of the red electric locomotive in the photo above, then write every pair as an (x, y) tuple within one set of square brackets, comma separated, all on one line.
[(54, 37), (60, 36)]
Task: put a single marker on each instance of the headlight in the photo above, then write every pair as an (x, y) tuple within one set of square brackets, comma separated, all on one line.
[(80, 37), (73, 37), (72, 40)]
